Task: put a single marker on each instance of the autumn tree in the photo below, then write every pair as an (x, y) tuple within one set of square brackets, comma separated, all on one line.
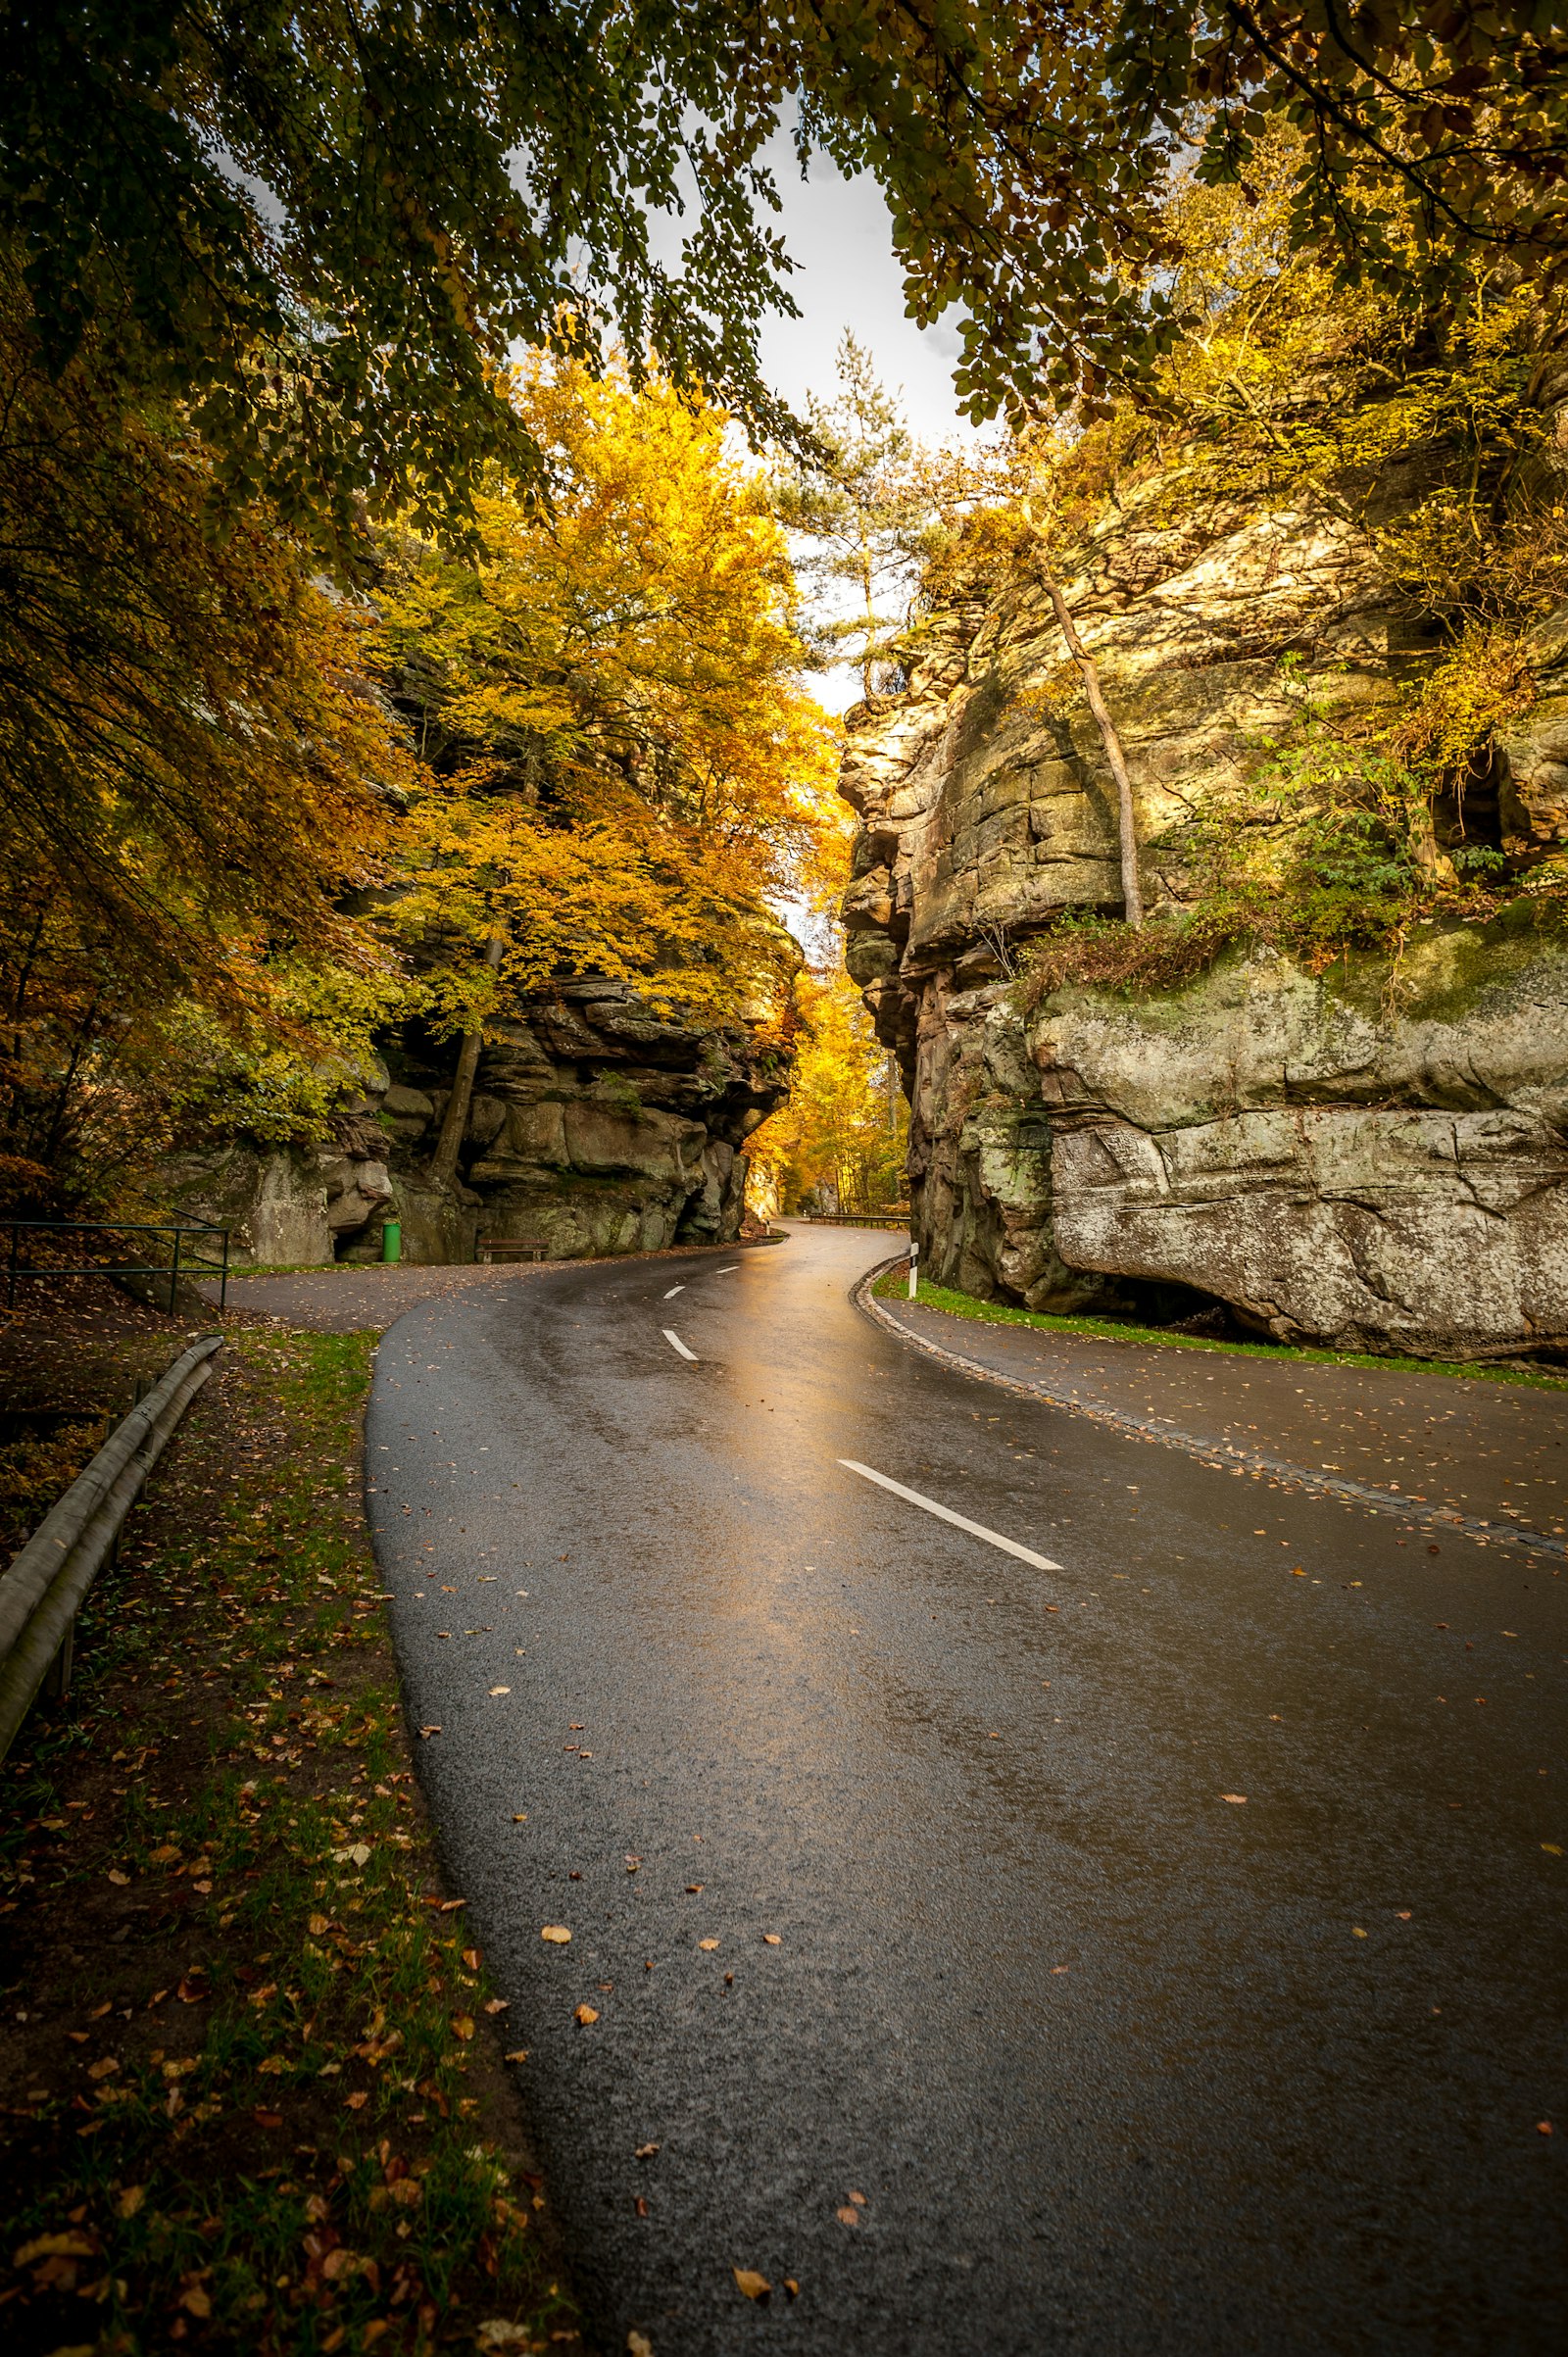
[(845, 1125), (625, 774), (192, 763)]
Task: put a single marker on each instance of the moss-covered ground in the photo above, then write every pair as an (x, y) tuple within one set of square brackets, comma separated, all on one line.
[(895, 1286)]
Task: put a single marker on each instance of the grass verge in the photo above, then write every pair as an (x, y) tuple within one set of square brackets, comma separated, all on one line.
[(254, 2087), (895, 1286)]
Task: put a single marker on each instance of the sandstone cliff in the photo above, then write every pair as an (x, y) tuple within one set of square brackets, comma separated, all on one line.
[(1368, 1156), (597, 1126)]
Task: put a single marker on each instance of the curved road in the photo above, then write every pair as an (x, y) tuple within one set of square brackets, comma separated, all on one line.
[(928, 1938)]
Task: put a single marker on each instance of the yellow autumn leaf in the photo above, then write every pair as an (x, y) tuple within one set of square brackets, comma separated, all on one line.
[(756, 2286), (710, 1945), (462, 2025), (585, 2014), (557, 1932)]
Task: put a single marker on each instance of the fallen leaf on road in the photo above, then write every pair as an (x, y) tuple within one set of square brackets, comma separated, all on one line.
[(1554, 1849), (710, 1945), (645, 2153), (496, 2004), (520, 1816), (500, 1690), (638, 2344), (792, 2287), (1357, 1932), (847, 2217), (585, 2014), (756, 2286), (557, 1932), (632, 1863), (1060, 1968), (1237, 1799), (771, 1938), (520, 2055), (1543, 2128), (858, 2199), (427, 1732), (692, 1890)]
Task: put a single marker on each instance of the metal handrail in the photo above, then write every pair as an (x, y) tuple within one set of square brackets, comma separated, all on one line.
[(179, 1263), (46, 1586)]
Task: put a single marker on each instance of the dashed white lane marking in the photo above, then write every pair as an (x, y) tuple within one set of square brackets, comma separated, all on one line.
[(676, 1344), (673, 1291), (727, 1272), (976, 1530)]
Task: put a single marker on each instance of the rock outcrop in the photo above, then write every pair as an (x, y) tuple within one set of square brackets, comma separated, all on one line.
[(597, 1125), (1370, 1159)]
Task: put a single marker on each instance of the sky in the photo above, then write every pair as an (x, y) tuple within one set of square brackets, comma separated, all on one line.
[(840, 238)]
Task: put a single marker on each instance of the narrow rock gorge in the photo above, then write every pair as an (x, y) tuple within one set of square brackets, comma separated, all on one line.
[(1367, 1151)]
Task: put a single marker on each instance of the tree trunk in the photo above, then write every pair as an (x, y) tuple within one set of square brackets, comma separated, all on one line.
[(455, 1120), (1127, 826)]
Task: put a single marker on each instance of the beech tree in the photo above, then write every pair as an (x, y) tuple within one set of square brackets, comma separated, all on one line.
[(624, 770), (323, 227), (192, 762)]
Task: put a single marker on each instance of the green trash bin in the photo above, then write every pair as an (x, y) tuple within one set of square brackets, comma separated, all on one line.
[(392, 1240)]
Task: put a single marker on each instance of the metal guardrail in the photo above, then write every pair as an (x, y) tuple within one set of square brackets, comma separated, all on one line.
[(180, 1262), (46, 1586), (856, 1219)]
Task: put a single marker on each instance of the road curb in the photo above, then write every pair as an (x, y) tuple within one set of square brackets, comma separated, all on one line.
[(1219, 1456)]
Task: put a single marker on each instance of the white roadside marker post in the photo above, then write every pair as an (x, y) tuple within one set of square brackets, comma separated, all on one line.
[(914, 1267)]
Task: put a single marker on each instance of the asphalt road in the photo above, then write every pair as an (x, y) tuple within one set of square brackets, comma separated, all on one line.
[(1060, 2043)]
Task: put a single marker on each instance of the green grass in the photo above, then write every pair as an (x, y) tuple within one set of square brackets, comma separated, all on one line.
[(288, 2146), (894, 1287)]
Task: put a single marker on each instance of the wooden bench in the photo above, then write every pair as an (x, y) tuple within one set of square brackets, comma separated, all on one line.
[(513, 1248)]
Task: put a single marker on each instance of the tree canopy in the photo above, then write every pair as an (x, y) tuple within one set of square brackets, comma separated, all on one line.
[(324, 227)]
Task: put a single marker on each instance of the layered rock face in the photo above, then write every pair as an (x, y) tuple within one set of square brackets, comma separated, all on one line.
[(1370, 1159), (596, 1126)]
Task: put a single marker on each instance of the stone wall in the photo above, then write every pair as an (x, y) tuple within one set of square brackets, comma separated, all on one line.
[(596, 1126), (1370, 1159)]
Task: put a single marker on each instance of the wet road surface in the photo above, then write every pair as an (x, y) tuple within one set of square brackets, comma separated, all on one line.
[(1165, 1950)]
